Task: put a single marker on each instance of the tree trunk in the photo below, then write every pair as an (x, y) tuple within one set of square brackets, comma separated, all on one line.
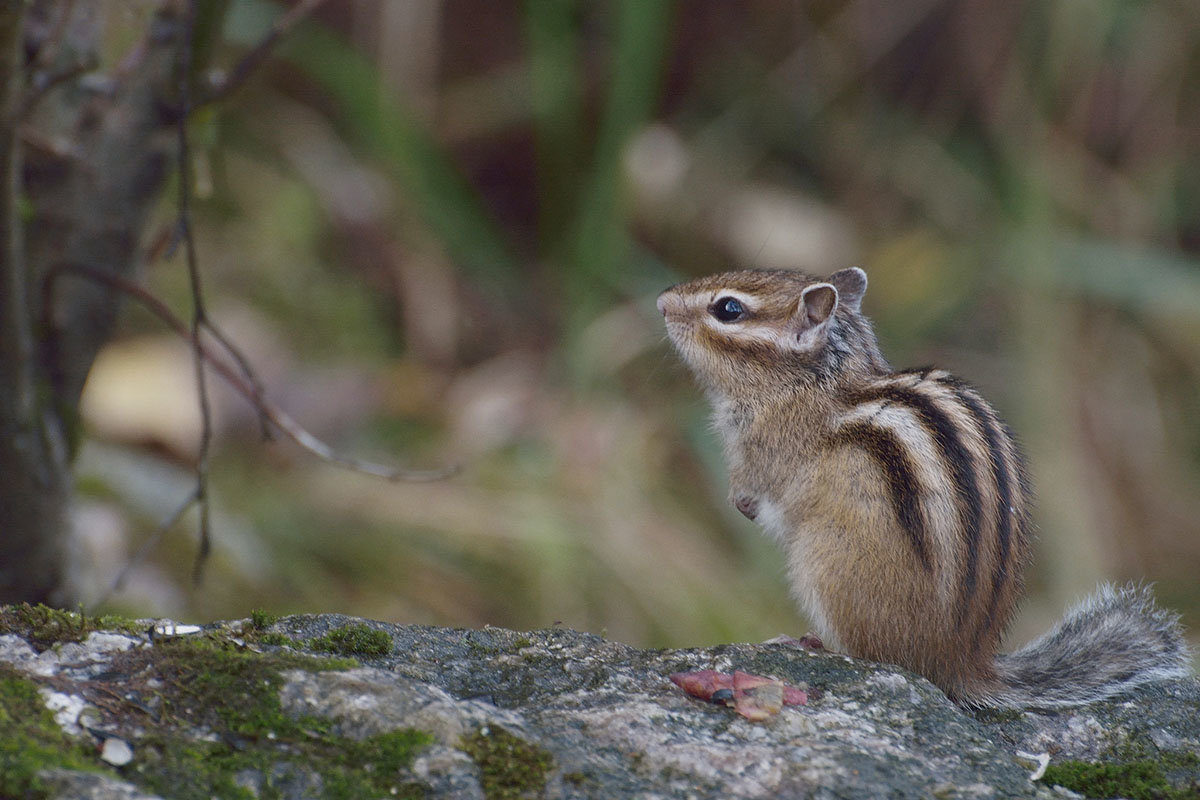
[(80, 171), (32, 471)]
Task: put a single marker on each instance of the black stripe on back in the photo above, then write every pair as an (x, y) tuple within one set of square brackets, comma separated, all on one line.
[(957, 457), (920, 372), (1003, 480), (885, 448)]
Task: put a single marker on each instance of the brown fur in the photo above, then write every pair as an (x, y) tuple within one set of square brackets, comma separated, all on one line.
[(900, 498)]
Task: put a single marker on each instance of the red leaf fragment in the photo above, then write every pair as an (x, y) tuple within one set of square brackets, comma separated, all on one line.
[(702, 683), (811, 641), (744, 680), (761, 702), (793, 696), (755, 697)]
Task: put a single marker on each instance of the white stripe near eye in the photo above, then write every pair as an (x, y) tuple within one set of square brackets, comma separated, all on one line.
[(745, 299), (746, 331)]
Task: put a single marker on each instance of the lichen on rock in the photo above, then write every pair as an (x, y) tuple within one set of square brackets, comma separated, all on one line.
[(252, 708)]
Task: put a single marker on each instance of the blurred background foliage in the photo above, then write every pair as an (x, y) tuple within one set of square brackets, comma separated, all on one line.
[(437, 227)]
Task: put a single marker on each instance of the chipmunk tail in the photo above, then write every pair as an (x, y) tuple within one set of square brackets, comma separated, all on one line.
[(1115, 640)]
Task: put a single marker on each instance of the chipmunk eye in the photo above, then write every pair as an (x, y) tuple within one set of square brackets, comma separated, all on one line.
[(727, 309)]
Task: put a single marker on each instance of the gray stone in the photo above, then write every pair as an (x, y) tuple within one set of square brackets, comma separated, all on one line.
[(64, 784), (610, 723)]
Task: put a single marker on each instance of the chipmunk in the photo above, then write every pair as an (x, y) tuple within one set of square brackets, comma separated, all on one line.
[(899, 497)]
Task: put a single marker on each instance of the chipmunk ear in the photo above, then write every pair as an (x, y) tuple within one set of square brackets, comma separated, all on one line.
[(851, 285), (817, 304)]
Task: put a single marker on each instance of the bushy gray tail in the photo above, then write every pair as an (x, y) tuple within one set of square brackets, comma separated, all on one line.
[(1113, 641)]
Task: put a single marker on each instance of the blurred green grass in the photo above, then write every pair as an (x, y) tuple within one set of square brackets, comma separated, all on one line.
[(455, 259)]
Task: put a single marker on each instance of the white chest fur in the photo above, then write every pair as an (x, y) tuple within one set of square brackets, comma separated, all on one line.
[(799, 565)]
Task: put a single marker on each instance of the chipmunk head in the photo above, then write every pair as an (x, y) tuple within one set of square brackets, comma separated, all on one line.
[(750, 330)]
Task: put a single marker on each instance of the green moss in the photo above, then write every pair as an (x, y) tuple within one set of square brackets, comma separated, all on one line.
[(261, 620), (199, 770), (44, 627), (480, 650), (210, 723), (511, 767), (354, 640), (382, 758), (576, 778), (1137, 780), (1179, 759), (1136, 770), (278, 640), (30, 739), (1138, 750), (213, 683), (209, 684), (333, 767), (257, 631)]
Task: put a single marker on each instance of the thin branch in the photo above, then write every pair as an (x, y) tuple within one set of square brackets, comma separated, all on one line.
[(166, 250), (193, 268), (147, 547), (247, 371), (249, 62), (242, 378), (233, 80), (277, 416)]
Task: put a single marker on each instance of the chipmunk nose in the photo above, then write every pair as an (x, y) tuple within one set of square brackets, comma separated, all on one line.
[(668, 301)]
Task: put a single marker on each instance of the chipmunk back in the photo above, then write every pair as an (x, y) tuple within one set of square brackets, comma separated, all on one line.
[(899, 497)]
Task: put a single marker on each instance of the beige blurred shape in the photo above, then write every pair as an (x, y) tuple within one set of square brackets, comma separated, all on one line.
[(144, 390)]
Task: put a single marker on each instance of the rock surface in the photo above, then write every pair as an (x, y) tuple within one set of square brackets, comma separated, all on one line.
[(255, 709)]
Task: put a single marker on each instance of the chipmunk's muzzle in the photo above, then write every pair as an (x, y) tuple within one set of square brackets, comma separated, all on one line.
[(669, 302)]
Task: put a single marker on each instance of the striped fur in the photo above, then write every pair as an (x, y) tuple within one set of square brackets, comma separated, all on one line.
[(888, 451), (943, 425), (900, 498)]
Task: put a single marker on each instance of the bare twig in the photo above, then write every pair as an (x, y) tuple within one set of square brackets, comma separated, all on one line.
[(251, 377), (166, 249), (245, 385), (193, 268), (147, 547), (231, 82), (215, 349), (276, 415), (253, 59)]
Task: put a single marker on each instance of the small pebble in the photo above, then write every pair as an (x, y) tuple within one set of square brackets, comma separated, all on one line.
[(116, 752)]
